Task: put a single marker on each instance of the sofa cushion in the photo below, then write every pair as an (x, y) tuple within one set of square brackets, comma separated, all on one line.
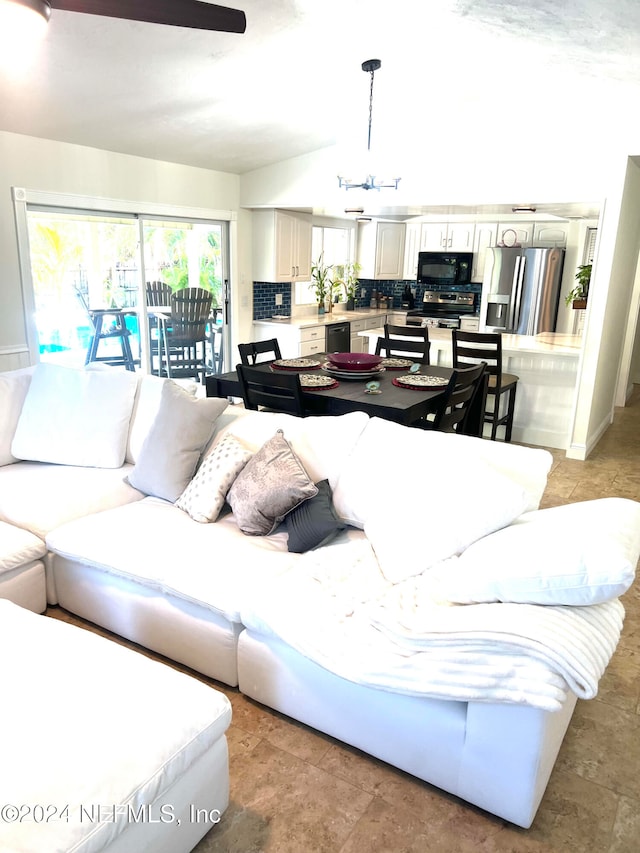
[(578, 554), (314, 523), (26, 490), (428, 457), (145, 409), (205, 495), (271, 484), (214, 566), (410, 536), (18, 547), (323, 444), (76, 417), (13, 390), (172, 449)]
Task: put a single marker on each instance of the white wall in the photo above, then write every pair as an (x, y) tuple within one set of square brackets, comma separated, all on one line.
[(608, 334), (40, 164)]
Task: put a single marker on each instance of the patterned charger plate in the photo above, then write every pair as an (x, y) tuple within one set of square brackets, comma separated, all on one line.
[(394, 363), (419, 380), (296, 363), (317, 380)]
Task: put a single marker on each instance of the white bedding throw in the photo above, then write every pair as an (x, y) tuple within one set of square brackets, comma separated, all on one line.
[(338, 610)]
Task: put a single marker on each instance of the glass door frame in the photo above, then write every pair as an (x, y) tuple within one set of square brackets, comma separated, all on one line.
[(143, 211)]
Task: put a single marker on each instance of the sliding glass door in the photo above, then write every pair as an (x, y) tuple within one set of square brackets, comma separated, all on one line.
[(86, 260)]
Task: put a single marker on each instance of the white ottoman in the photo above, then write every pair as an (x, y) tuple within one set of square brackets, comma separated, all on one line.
[(22, 575), (102, 748)]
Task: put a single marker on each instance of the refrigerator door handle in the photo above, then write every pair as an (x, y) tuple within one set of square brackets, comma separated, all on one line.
[(514, 316)]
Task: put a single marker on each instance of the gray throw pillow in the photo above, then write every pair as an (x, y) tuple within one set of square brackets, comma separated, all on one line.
[(313, 523), (271, 484), (171, 451)]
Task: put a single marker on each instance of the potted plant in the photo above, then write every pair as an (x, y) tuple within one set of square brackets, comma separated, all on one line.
[(321, 282), (350, 283), (577, 297)]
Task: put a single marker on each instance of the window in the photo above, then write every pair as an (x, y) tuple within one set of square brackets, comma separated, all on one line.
[(334, 244)]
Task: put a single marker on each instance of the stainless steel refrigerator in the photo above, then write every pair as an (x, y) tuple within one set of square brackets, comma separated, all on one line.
[(521, 290)]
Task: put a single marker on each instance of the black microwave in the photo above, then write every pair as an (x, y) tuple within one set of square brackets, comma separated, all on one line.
[(444, 267)]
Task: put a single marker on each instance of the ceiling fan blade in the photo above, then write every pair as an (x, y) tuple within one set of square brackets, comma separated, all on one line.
[(175, 13)]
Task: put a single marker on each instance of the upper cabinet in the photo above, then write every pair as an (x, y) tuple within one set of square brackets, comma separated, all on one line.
[(443, 236), (515, 234), (281, 246), (411, 249), (551, 234), (381, 250), (485, 236)]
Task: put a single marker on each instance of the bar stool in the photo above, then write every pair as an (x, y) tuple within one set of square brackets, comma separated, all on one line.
[(473, 347), (117, 329)]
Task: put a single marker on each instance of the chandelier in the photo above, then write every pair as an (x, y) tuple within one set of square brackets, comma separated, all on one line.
[(370, 181)]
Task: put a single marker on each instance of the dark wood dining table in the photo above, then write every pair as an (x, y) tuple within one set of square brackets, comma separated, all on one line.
[(402, 405)]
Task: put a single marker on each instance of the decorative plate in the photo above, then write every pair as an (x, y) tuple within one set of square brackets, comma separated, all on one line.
[(420, 380), (352, 374), (296, 363), (317, 380), (280, 317), (393, 363)]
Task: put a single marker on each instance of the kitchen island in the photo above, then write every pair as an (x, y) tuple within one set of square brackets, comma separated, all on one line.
[(547, 365)]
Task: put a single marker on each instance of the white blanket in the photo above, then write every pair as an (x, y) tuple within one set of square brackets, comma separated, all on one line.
[(336, 608)]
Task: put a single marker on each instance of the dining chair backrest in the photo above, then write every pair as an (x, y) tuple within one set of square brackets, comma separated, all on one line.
[(453, 410), (256, 351), (190, 311), (279, 392), (418, 350), (393, 331), (158, 294)]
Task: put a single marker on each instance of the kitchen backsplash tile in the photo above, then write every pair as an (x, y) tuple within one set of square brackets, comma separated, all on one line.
[(264, 294)]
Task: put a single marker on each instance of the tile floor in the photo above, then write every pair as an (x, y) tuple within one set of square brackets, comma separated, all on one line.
[(296, 791)]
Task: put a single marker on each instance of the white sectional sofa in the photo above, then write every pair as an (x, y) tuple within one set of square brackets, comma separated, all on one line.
[(431, 615)]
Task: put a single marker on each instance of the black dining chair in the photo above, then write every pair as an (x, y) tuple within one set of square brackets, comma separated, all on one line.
[(472, 347), (270, 391), (393, 331), (257, 351), (417, 350), (452, 409)]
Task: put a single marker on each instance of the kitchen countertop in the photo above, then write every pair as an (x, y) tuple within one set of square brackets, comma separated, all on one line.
[(548, 342), (304, 321)]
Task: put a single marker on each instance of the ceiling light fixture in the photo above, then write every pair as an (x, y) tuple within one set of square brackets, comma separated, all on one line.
[(27, 12), (370, 181)]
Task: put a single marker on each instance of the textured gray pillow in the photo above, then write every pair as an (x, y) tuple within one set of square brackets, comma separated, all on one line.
[(171, 451), (271, 484)]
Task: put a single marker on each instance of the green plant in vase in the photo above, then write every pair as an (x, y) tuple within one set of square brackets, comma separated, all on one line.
[(350, 283), (577, 297), (321, 282)]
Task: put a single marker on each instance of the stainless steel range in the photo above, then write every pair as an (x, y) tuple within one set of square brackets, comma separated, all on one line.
[(442, 308)]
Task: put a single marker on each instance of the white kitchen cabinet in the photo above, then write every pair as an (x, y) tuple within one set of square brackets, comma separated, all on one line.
[(443, 236), (485, 236), (281, 246), (312, 340), (469, 324), (412, 240), (381, 250), (511, 233), (359, 343), (551, 234)]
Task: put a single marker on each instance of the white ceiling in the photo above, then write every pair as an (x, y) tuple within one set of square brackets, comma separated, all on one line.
[(293, 83)]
